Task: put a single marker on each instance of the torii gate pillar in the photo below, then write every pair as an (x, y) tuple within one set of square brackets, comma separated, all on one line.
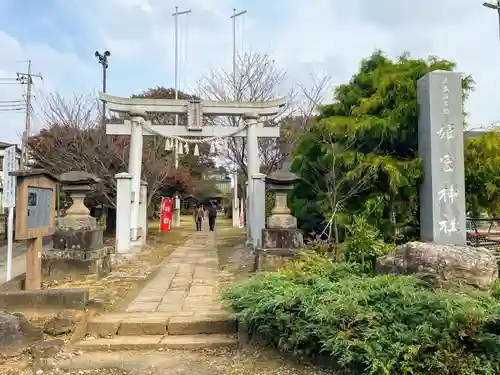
[(253, 162), (135, 169)]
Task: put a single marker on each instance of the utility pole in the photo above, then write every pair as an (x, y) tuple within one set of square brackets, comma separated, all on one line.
[(27, 79), (103, 60), (494, 6), (236, 201), (176, 21)]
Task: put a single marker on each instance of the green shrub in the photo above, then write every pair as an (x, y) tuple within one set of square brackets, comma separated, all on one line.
[(495, 290), (314, 265), (364, 244), (370, 325)]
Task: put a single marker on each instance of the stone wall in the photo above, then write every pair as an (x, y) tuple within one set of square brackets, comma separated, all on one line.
[(45, 299)]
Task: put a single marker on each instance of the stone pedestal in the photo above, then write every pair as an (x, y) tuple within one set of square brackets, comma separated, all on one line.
[(69, 263), (77, 223), (78, 247), (281, 239), (286, 238)]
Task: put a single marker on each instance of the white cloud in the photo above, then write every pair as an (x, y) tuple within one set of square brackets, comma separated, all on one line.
[(61, 72), (319, 35)]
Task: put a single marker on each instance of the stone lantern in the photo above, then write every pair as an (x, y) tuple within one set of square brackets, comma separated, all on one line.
[(78, 184), (78, 247), (281, 183), (281, 239)]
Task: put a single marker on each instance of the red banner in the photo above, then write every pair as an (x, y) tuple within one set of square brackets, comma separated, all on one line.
[(166, 214)]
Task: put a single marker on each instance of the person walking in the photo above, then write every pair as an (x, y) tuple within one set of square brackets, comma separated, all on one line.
[(212, 215), (198, 217)]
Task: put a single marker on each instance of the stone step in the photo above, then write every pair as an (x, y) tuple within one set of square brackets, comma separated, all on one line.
[(148, 342), (143, 324)]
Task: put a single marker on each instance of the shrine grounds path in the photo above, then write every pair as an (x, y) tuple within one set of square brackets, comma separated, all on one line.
[(186, 284)]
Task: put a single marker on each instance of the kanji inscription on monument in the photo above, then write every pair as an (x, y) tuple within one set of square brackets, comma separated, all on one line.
[(441, 147)]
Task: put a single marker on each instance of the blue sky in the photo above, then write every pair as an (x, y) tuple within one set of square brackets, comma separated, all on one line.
[(313, 37)]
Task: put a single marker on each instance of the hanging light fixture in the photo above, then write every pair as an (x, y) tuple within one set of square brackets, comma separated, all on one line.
[(186, 148), (212, 148), (196, 150)]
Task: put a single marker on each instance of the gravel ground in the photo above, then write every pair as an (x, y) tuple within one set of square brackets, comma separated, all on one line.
[(251, 361)]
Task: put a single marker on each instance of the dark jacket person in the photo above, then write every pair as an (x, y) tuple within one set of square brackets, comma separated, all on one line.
[(212, 215)]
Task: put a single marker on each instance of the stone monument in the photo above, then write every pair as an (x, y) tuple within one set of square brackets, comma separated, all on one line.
[(441, 147), (443, 257), (78, 243), (281, 239)]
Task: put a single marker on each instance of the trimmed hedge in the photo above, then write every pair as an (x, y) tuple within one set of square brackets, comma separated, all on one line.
[(370, 324)]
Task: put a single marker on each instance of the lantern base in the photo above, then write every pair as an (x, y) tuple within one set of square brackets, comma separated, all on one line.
[(282, 221)]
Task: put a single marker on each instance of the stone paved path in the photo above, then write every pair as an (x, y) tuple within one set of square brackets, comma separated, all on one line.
[(187, 283)]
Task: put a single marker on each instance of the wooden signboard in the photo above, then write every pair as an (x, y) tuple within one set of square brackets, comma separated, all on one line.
[(35, 217)]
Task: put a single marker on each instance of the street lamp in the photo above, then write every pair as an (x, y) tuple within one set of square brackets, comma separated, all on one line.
[(103, 60), (495, 7)]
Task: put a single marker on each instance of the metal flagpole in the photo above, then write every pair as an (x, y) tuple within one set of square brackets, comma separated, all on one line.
[(236, 201), (177, 203), (176, 22)]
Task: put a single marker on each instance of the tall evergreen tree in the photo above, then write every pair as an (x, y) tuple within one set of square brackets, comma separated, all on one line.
[(363, 148)]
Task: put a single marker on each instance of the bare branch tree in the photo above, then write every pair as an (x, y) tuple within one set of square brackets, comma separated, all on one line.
[(81, 112), (257, 78), (333, 185), (75, 139)]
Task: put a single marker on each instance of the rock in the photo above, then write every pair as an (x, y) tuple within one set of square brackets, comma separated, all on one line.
[(47, 348), (63, 323), (16, 334), (442, 265)]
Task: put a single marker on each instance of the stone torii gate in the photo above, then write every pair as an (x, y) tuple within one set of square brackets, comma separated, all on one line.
[(138, 126)]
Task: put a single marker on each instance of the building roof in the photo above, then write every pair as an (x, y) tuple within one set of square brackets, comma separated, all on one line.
[(4, 145), (468, 134)]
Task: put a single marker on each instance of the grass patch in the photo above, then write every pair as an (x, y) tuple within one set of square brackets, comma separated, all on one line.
[(231, 237)]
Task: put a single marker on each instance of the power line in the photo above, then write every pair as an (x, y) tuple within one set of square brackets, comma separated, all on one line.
[(14, 110), (11, 101), (11, 105)]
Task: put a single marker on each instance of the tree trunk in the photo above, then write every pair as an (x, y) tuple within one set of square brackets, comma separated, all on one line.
[(336, 238)]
